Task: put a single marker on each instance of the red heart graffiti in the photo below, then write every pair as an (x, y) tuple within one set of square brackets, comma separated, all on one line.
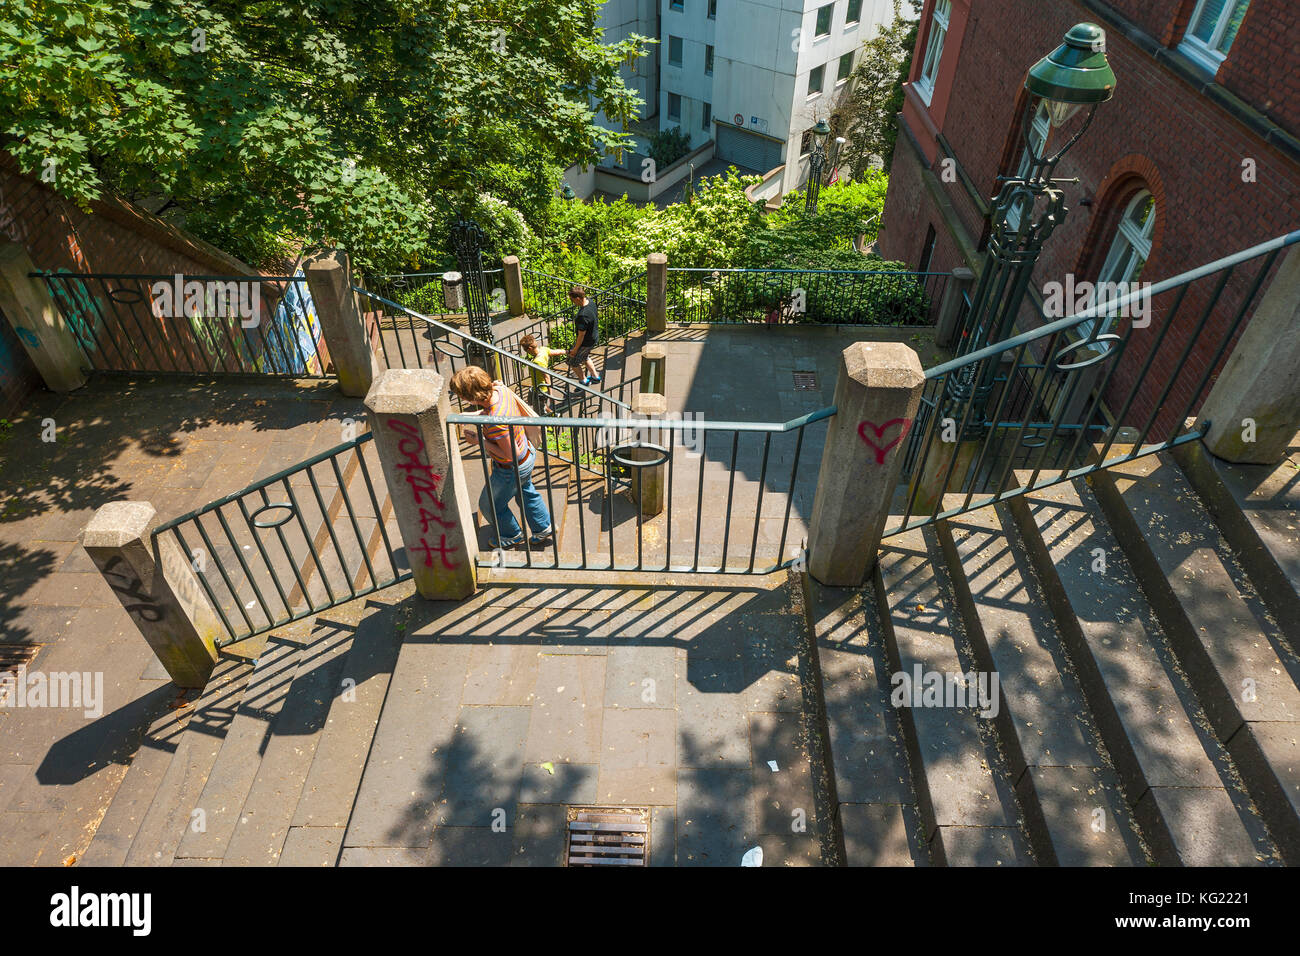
[(880, 432)]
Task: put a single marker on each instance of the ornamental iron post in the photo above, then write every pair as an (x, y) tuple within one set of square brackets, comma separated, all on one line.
[(1028, 208), (467, 244), (816, 163)]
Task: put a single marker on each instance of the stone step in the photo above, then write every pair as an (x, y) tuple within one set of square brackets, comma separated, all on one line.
[(168, 787), (1221, 632), (1176, 776), (964, 793), (873, 786), (1257, 509), (1074, 809)]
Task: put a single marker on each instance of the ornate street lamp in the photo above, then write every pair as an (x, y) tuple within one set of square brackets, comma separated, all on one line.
[(467, 245), (816, 162), (1029, 207), (568, 193)]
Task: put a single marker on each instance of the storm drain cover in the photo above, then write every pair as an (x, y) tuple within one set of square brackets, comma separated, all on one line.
[(608, 836), (13, 658), (805, 381)]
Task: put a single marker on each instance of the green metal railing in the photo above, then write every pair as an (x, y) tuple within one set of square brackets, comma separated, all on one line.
[(610, 531), (305, 539), (620, 310), (1055, 401)]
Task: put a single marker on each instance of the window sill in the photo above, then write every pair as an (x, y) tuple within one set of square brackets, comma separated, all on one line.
[(924, 90), (1200, 56)]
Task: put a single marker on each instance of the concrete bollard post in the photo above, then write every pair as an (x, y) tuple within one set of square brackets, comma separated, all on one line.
[(1254, 407), (876, 397), (946, 330), (656, 293), (160, 592), (654, 369), (408, 410), (453, 291), (35, 319), (329, 277), (514, 285), (648, 482)]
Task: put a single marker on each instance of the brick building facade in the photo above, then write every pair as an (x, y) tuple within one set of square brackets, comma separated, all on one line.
[(1211, 137)]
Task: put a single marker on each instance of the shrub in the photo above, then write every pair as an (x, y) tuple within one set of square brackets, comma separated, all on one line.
[(669, 145)]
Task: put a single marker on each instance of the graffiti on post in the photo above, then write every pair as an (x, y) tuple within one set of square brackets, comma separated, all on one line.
[(426, 489), (879, 430)]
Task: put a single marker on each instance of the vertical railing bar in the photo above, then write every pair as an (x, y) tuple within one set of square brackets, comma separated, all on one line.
[(212, 597), (731, 485), (794, 471), (356, 527), (329, 527), (758, 511), (997, 417), (699, 497), (148, 339), (248, 572), (379, 513), (492, 499), (311, 547), (550, 496), (1043, 376), (524, 527), (266, 558), (577, 478), (198, 523), (918, 469), (99, 346)]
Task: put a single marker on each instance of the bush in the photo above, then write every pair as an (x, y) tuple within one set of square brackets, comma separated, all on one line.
[(669, 145)]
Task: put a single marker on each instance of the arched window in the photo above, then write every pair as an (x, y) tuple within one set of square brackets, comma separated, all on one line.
[(1129, 250)]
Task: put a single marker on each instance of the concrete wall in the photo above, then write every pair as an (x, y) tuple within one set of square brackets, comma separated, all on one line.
[(619, 183)]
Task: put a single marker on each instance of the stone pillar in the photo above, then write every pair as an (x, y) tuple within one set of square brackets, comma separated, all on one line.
[(46, 338), (408, 410), (946, 330), (1259, 383), (876, 397), (453, 291), (654, 369), (514, 284), (160, 591), (656, 293), (648, 482), (329, 277)]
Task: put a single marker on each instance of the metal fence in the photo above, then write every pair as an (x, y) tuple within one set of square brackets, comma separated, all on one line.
[(820, 296), (289, 546), (735, 495), (1055, 401), (191, 324), (621, 309), (447, 349)]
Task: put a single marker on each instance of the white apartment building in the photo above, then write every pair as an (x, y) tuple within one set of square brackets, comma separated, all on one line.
[(753, 76)]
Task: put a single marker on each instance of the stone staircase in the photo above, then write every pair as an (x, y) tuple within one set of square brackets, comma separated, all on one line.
[(1143, 629), (1142, 625)]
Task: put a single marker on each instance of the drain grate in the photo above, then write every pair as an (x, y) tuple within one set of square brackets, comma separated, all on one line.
[(608, 836), (12, 658), (805, 381)]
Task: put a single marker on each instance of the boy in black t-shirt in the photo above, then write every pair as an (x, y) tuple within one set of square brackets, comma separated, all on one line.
[(588, 335)]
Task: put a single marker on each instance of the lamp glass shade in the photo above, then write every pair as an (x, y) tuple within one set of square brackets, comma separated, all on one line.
[(822, 129), (1076, 73)]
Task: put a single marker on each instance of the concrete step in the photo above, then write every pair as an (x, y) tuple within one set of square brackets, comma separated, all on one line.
[(873, 787), (1074, 808), (1257, 509), (151, 810), (1176, 776), (1219, 629), (967, 805)]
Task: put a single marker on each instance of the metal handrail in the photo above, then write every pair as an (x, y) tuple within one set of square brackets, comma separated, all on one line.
[(852, 272), (589, 288), (461, 418), (573, 383), (1115, 305)]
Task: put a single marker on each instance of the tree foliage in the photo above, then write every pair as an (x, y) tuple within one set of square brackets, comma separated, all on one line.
[(362, 123), (875, 95)]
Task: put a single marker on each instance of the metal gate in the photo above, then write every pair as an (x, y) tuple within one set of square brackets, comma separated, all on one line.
[(746, 149)]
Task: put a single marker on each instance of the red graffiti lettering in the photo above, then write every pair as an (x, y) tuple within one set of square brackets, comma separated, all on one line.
[(425, 485), (880, 433)]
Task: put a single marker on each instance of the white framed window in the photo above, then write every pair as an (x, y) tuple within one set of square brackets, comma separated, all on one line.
[(934, 49), (854, 13), (1129, 250), (845, 69), (824, 15), (1211, 30), (1038, 131), (816, 77)]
